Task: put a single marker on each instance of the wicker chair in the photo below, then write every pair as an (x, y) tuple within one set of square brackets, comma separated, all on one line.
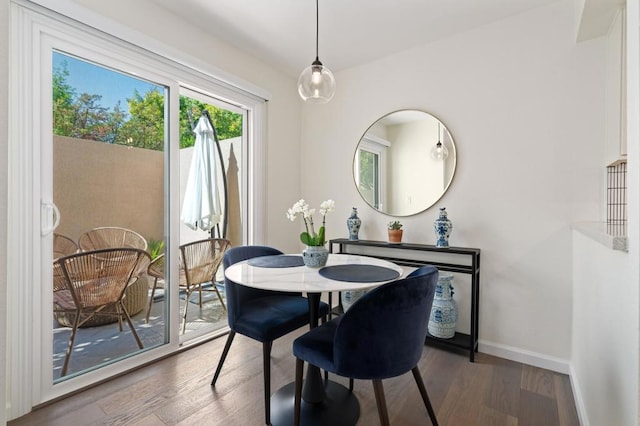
[(63, 246), (111, 237), (116, 237), (199, 263), (88, 284)]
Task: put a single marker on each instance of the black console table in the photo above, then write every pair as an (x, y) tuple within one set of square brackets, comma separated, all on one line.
[(453, 259)]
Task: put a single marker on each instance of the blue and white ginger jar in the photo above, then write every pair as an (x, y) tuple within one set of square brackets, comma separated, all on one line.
[(443, 227), (353, 224), (444, 311)]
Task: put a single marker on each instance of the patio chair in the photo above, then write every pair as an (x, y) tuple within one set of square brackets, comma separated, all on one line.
[(111, 237), (63, 246), (379, 337), (117, 237), (199, 263), (91, 283)]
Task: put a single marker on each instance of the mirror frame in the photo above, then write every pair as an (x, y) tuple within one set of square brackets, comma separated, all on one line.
[(447, 140)]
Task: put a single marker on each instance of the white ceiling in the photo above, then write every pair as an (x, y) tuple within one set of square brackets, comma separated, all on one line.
[(352, 32)]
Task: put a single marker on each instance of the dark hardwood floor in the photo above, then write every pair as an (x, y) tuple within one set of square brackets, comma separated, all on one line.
[(177, 391)]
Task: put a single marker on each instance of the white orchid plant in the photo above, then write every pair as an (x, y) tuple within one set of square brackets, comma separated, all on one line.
[(301, 208)]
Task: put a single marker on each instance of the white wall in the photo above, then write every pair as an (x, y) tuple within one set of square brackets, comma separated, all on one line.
[(524, 104), (605, 340), (605, 334)]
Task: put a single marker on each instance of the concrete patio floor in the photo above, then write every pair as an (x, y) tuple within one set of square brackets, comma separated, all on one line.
[(94, 346)]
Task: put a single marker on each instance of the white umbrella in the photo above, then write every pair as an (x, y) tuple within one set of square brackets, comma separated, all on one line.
[(201, 205)]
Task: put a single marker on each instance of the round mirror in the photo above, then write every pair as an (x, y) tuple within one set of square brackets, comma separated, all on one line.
[(404, 163)]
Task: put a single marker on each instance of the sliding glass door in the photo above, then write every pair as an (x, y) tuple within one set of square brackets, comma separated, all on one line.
[(109, 168), (109, 188), (101, 143)]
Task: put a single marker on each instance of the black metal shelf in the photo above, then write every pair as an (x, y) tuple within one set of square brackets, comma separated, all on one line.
[(465, 261)]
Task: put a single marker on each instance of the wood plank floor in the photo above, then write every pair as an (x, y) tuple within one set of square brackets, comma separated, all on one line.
[(177, 391)]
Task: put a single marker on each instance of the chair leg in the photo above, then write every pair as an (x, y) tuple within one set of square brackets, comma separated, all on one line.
[(266, 366), (219, 296), (67, 357), (225, 351), (381, 403), (153, 292), (133, 329), (186, 306), (298, 392), (119, 315), (425, 396), (350, 384)]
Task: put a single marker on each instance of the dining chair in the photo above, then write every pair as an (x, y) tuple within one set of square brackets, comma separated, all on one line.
[(380, 336), (199, 263), (93, 283), (111, 237), (261, 315)]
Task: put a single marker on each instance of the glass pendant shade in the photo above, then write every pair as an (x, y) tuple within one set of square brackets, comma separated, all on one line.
[(316, 83), (439, 152)]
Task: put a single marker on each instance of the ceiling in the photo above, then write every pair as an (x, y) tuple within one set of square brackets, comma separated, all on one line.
[(352, 32)]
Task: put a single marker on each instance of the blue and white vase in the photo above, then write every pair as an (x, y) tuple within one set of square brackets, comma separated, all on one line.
[(353, 224), (444, 311), (315, 256), (443, 227), (349, 297)]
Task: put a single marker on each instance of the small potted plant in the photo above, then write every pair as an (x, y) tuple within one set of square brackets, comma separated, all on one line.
[(395, 231)]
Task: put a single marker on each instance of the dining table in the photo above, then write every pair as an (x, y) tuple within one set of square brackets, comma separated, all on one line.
[(323, 402)]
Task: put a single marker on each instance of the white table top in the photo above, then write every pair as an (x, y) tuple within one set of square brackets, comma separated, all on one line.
[(302, 278)]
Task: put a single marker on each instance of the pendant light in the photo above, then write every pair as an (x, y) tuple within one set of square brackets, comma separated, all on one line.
[(439, 152), (316, 83)]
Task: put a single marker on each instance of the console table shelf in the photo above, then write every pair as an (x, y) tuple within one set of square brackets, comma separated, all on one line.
[(452, 259)]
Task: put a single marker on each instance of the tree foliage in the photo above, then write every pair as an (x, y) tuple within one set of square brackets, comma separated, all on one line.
[(83, 116)]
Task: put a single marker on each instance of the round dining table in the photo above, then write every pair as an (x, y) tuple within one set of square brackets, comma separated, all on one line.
[(323, 403)]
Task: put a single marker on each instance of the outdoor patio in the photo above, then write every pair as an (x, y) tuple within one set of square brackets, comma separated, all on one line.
[(96, 345)]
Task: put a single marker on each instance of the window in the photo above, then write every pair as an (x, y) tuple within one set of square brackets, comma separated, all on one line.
[(370, 170)]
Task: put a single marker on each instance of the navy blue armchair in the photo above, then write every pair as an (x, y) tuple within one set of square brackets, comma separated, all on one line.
[(261, 315), (381, 336)]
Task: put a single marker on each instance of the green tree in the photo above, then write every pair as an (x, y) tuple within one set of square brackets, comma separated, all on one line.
[(115, 121), (145, 127), (90, 118), (63, 95), (84, 117), (228, 124)]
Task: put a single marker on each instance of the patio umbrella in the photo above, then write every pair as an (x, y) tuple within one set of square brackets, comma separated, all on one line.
[(201, 205)]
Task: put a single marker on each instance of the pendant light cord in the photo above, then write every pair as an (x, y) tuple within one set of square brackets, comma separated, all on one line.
[(317, 28)]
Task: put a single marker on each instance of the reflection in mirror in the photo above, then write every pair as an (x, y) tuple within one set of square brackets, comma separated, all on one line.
[(393, 167)]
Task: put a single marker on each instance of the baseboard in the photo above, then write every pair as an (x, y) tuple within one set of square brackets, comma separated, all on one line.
[(524, 356), (577, 397)]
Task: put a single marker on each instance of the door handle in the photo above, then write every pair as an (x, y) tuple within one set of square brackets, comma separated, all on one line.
[(49, 217)]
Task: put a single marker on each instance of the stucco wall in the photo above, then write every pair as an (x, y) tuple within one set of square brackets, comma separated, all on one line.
[(98, 184)]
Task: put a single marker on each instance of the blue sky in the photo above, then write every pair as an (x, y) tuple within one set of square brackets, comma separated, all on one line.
[(113, 86)]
